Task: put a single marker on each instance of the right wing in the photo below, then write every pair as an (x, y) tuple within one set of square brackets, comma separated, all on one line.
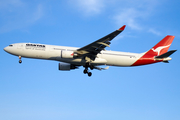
[(94, 48)]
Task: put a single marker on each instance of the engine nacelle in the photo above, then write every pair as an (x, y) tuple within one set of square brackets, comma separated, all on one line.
[(66, 66), (67, 54)]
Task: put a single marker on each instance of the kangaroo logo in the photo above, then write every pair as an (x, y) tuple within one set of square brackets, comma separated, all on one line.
[(158, 49)]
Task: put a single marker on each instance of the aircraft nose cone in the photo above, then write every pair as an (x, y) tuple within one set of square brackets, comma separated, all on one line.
[(10, 49), (5, 49)]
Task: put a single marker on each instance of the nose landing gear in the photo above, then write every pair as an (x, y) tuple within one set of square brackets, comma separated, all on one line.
[(20, 61)]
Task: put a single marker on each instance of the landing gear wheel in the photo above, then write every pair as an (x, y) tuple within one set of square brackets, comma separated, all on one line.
[(85, 71), (91, 67), (20, 61), (89, 74), (88, 65)]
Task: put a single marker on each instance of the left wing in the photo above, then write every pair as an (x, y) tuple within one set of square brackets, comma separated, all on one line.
[(98, 68), (94, 48)]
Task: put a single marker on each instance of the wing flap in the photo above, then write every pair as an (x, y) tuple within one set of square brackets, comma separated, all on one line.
[(105, 44)]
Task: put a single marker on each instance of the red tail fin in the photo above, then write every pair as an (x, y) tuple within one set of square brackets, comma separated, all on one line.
[(159, 49), (162, 47)]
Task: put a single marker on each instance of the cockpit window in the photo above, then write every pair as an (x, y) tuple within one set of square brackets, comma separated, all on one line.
[(10, 45)]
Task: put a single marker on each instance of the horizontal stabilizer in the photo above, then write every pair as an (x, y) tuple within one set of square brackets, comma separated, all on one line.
[(167, 54), (166, 61)]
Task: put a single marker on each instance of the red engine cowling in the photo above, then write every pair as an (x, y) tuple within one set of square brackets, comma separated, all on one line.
[(66, 66)]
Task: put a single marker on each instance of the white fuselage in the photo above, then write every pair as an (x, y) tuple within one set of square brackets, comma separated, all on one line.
[(51, 52)]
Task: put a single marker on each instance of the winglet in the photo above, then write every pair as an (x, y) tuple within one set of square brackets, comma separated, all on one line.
[(122, 28)]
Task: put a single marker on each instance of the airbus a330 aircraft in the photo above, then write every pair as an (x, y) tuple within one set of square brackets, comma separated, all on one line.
[(93, 55)]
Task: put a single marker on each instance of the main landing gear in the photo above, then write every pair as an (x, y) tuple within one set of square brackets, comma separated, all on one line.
[(20, 61), (86, 69), (86, 72)]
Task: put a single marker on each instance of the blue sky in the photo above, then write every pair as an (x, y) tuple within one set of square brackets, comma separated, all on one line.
[(37, 90)]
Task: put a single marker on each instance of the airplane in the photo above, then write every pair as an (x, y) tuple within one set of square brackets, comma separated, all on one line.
[(93, 55)]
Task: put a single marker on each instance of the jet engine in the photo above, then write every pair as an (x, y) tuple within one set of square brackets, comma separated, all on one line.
[(66, 66), (67, 54)]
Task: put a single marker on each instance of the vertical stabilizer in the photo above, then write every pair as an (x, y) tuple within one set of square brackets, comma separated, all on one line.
[(159, 49), (162, 47)]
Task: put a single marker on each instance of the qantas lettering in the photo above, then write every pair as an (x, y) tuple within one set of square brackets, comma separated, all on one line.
[(35, 45)]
